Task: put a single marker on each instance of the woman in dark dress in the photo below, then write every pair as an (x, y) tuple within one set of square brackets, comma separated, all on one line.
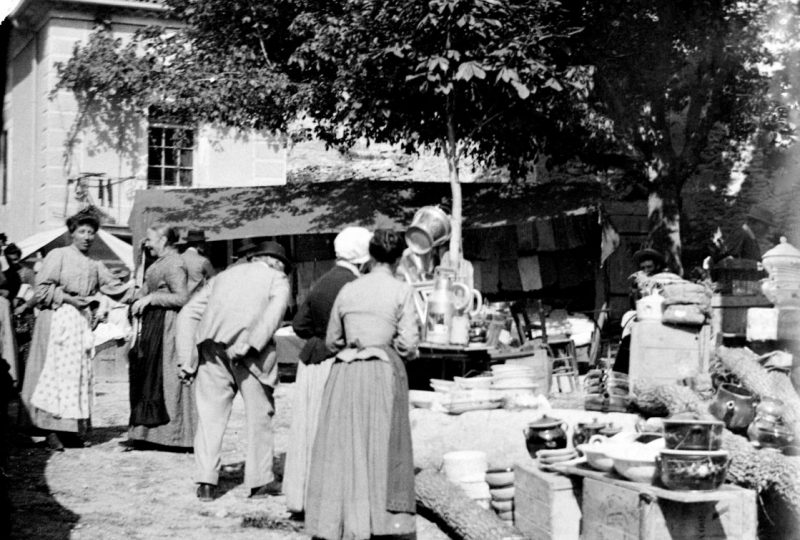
[(162, 409)]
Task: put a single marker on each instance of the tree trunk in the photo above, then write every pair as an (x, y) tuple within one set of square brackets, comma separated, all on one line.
[(455, 187), (663, 212)]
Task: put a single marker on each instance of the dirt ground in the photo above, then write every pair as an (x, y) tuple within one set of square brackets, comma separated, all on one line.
[(106, 492)]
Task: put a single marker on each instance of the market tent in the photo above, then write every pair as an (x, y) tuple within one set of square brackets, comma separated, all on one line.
[(327, 207), (106, 247)]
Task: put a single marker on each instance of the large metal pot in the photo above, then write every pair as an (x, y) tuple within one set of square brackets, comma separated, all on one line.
[(429, 228), (692, 434)]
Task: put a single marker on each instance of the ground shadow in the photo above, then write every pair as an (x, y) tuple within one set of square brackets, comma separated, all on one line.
[(232, 474), (35, 513), (100, 435)]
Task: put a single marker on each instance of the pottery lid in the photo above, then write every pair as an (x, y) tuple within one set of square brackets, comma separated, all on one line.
[(783, 249), (545, 422), (594, 424)]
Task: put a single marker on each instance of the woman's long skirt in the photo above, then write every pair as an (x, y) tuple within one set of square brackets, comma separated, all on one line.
[(31, 416), (178, 399), (308, 389), (347, 484)]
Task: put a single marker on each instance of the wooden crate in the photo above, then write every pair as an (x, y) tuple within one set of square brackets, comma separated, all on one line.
[(612, 511), (546, 504), (663, 354)]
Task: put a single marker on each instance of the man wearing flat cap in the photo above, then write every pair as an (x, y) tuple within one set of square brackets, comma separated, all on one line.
[(198, 268), (224, 342), (743, 244), (311, 323)]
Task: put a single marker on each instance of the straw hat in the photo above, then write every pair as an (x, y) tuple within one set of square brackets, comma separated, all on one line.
[(648, 253), (121, 286)]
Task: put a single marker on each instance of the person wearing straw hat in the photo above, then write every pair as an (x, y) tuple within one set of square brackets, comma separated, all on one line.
[(225, 345), (198, 267), (351, 246), (744, 243)]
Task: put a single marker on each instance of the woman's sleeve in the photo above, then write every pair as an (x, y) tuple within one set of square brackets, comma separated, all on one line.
[(105, 277), (49, 290), (407, 338), (178, 295), (334, 337)]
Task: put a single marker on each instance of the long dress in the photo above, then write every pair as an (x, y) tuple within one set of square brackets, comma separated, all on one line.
[(64, 271), (350, 488), (311, 323), (165, 280)]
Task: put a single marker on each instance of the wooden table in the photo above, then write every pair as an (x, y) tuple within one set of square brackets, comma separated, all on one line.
[(445, 362)]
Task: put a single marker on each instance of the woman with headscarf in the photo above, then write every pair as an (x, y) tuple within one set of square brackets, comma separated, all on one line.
[(163, 410), (311, 323), (361, 480), (56, 391)]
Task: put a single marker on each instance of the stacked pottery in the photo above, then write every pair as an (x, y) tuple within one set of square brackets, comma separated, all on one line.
[(467, 469), (782, 263), (501, 487), (692, 459)]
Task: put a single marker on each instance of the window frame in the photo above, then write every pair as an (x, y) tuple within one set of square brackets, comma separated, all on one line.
[(163, 167)]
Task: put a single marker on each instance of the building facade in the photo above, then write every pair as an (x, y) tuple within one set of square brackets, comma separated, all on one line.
[(49, 170)]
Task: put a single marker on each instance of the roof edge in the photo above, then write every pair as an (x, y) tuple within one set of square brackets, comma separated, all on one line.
[(127, 4)]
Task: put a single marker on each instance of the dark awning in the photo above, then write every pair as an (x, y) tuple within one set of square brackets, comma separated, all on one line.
[(327, 207)]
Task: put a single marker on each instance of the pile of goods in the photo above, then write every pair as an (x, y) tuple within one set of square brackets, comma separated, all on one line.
[(512, 386), (606, 391), (501, 488)]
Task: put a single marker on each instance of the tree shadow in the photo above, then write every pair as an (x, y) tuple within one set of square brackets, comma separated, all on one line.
[(100, 435)]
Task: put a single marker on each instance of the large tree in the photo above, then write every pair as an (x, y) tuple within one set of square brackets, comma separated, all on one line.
[(636, 85)]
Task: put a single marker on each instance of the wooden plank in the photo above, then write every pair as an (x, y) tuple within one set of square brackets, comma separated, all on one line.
[(545, 504), (726, 491)]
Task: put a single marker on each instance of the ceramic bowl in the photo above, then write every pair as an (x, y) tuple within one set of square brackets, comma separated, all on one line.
[(692, 434), (635, 462), (503, 506), (440, 385), (421, 399), (500, 477), (597, 455), (473, 383), (506, 516), (693, 470), (502, 494)]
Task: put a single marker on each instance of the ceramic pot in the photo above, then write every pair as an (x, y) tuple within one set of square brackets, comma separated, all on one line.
[(769, 434), (690, 434), (733, 405), (545, 434), (689, 470), (583, 431), (782, 261)]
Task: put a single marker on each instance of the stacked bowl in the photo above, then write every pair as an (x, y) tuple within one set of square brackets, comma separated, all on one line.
[(467, 469), (501, 488), (692, 459), (515, 383)]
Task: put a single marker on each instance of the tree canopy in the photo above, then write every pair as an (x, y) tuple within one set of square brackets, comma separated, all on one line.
[(634, 85)]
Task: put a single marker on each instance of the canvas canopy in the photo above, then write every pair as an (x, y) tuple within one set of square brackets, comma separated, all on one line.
[(106, 247), (327, 207)]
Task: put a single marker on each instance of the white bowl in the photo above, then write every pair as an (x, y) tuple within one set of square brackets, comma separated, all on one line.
[(502, 494), (465, 466), (440, 385), (597, 455), (473, 383), (422, 399), (503, 506), (635, 462)]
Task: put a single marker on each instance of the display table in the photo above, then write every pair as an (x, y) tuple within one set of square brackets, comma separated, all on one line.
[(612, 507), (436, 361)]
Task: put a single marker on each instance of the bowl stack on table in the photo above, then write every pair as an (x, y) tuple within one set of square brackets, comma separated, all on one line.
[(501, 488), (692, 459), (467, 469)]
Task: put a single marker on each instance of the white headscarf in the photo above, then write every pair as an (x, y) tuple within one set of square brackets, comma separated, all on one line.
[(352, 245)]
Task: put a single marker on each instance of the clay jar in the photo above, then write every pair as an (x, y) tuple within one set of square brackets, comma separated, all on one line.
[(733, 405), (545, 434), (584, 430)]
